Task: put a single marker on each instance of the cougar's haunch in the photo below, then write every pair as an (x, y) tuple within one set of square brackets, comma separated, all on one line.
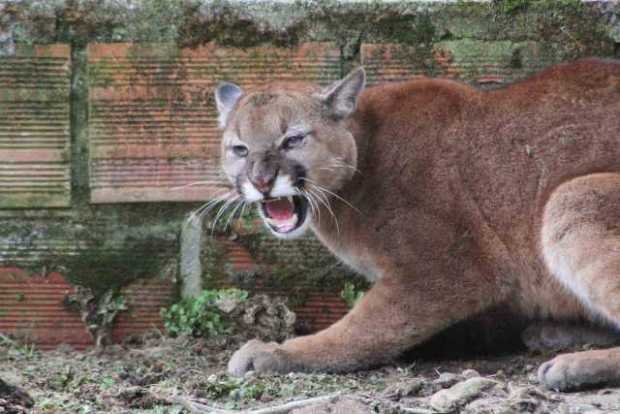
[(449, 198)]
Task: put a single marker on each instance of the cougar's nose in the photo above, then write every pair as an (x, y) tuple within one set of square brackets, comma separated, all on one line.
[(263, 183), (262, 173)]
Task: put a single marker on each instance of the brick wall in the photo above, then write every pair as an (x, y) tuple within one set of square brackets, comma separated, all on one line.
[(106, 113)]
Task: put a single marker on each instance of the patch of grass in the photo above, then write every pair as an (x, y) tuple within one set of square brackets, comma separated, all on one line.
[(237, 393), (200, 316), (26, 351)]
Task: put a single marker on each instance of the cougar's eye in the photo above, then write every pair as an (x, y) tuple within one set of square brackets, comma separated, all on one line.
[(292, 142), (240, 150)]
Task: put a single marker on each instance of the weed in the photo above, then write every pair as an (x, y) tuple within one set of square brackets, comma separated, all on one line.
[(351, 294), (107, 382), (97, 312), (27, 351), (201, 316)]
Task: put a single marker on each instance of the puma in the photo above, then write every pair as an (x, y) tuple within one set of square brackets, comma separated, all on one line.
[(450, 199)]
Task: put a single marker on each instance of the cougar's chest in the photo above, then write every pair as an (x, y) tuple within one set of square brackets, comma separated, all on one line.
[(353, 253)]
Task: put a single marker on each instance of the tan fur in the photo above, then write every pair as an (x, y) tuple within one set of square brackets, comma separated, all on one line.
[(459, 199)]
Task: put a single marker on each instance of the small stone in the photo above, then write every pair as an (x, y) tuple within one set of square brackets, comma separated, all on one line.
[(65, 349), (533, 378), (14, 396), (578, 408), (228, 303), (470, 373), (492, 405), (525, 405), (266, 398), (415, 410), (447, 379), (340, 405), (114, 349), (527, 392), (397, 391), (448, 400)]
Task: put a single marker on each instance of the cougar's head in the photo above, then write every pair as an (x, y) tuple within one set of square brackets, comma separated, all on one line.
[(287, 147)]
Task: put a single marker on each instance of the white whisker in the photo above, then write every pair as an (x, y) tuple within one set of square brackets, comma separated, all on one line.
[(221, 211), (340, 162), (209, 205), (314, 210), (245, 205), (192, 184), (323, 189), (199, 212), (232, 215), (323, 200)]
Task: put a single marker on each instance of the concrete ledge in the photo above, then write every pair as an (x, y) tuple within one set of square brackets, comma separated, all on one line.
[(593, 25)]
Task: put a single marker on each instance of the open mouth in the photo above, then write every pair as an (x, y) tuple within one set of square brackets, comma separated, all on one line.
[(285, 214)]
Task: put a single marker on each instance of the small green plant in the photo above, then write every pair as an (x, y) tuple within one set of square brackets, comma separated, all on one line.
[(107, 383), (28, 351), (201, 316), (238, 389), (351, 294), (97, 312)]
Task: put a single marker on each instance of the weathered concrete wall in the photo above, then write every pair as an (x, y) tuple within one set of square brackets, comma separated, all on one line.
[(94, 49)]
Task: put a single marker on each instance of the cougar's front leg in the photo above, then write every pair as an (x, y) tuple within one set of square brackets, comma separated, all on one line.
[(390, 318)]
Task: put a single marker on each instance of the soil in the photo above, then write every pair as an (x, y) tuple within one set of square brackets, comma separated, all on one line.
[(157, 374)]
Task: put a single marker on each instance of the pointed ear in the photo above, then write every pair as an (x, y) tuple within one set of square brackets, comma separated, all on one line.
[(341, 96), (226, 96)]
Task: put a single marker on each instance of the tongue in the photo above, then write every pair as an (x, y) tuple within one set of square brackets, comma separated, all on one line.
[(280, 209)]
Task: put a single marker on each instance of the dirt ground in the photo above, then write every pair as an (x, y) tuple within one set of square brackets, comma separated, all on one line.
[(155, 374)]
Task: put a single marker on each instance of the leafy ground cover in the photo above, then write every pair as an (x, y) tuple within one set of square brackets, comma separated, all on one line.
[(159, 374)]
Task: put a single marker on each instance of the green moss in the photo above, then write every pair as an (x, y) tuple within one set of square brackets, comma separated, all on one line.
[(411, 29), (103, 269), (99, 73), (213, 262), (229, 26), (516, 60), (513, 7), (510, 7)]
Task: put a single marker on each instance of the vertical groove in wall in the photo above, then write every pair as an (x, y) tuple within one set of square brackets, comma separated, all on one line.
[(79, 124)]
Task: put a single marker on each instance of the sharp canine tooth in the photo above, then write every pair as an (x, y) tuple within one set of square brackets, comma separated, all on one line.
[(290, 199)]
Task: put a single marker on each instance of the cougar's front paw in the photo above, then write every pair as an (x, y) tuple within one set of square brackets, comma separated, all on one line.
[(571, 372), (259, 356)]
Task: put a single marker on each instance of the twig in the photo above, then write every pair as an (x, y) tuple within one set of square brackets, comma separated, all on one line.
[(6, 340), (196, 407), (199, 408), (409, 410)]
